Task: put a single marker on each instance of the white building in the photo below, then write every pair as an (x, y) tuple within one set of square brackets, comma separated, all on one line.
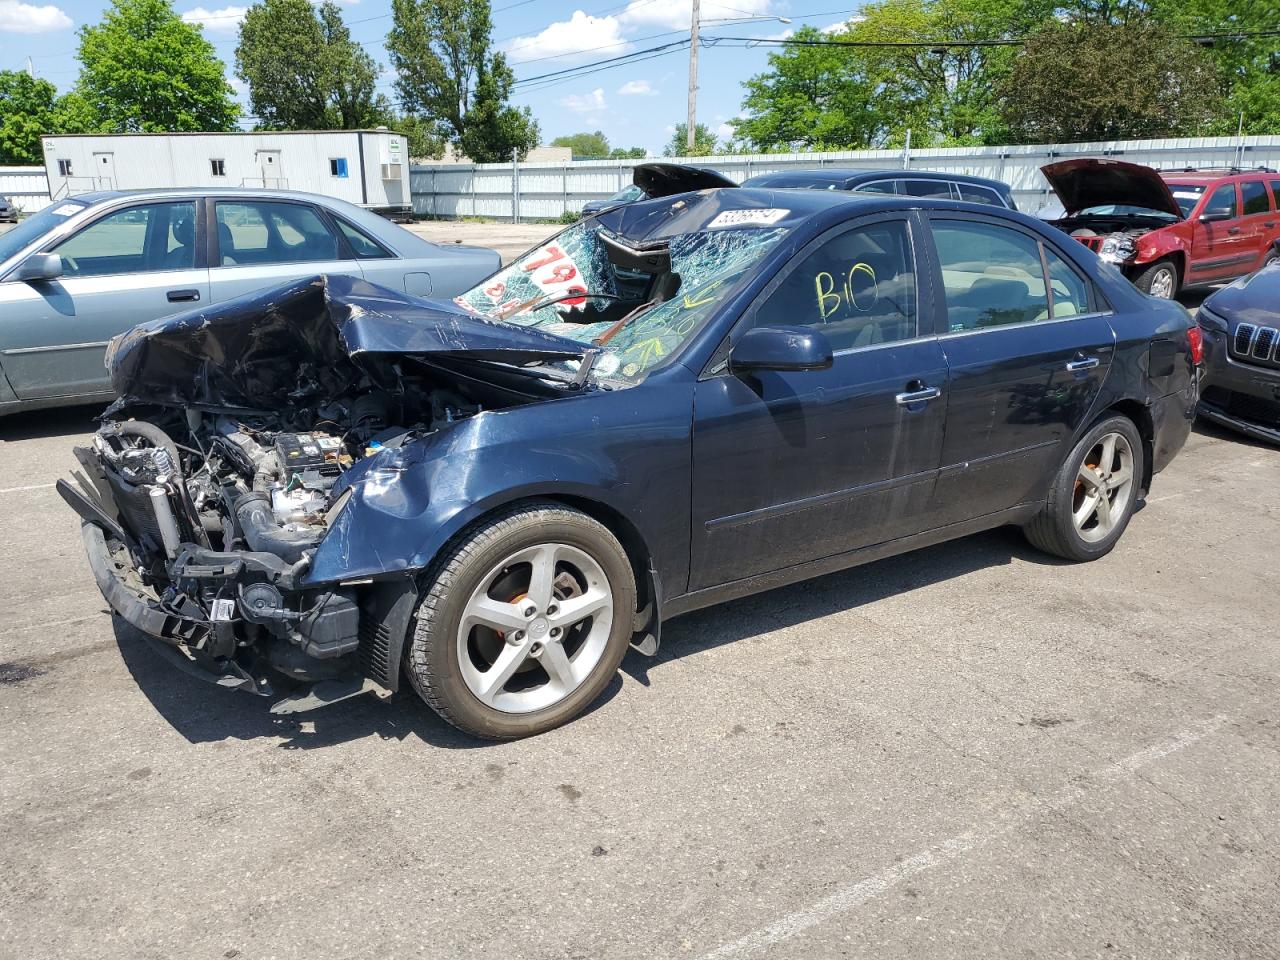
[(365, 167)]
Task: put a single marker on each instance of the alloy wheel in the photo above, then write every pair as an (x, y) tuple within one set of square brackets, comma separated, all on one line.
[(1101, 493), (535, 628), (1162, 283)]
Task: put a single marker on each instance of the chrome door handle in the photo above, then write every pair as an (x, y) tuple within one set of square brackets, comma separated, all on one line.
[(1088, 363), (1269, 224), (1233, 230), (918, 396)]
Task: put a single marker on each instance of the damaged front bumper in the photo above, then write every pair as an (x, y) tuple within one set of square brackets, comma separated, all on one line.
[(317, 636)]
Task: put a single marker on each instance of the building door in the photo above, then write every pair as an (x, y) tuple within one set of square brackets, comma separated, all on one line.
[(104, 171), (269, 164)]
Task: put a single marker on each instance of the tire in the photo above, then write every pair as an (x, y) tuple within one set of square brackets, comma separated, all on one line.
[(561, 664), (1160, 279), (1056, 528), (1272, 256)]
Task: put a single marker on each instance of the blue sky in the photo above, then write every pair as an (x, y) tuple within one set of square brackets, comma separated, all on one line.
[(635, 104)]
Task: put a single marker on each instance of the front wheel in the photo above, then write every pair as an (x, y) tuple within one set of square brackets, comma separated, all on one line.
[(1159, 280), (524, 623), (1093, 495)]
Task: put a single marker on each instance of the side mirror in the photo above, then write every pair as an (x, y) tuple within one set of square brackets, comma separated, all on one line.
[(38, 267), (780, 348)]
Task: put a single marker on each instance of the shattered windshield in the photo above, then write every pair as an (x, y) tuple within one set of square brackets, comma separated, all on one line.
[(637, 304)]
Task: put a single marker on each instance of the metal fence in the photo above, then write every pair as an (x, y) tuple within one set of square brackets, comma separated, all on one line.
[(548, 190), (27, 187)]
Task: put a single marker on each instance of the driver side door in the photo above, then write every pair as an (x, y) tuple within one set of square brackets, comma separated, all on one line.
[(793, 466), (128, 266)]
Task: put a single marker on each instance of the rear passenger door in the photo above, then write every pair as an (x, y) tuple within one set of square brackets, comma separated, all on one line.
[(1027, 345), (262, 243), (1257, 219)]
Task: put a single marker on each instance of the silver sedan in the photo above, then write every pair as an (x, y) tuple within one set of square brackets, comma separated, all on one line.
[(89, 267)]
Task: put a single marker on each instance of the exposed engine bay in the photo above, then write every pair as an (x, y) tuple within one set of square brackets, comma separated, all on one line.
[(223, 466)]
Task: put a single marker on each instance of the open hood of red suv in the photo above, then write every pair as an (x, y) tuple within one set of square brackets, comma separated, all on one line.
[(1085, 183)]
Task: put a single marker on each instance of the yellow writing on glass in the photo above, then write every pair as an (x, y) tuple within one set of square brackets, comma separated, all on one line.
[(833, 296)]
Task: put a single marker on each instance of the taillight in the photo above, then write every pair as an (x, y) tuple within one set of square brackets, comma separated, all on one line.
[(1196, 338)]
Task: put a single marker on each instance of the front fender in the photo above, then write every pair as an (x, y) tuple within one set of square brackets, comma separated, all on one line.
[(628, 453)]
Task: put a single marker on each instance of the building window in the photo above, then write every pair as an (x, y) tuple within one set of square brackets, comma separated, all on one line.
[(337, 166), (218, 167), (64, 168)]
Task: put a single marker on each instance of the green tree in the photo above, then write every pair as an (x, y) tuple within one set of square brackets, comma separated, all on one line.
[(585, 146), (1248, 68), (628, 153), (445, 70), (824, 92), (144, 69), (1078, 81), (704, 142), (424, 141), (303, 70), (26, 111)]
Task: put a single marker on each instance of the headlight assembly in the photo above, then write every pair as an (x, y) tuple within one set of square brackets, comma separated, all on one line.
[(1118, 248)]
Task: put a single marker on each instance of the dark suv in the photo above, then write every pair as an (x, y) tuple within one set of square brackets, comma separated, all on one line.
[(1241, 379), (902, 183)]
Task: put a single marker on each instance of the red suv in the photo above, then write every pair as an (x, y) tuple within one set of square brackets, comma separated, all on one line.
[(1168, 230)]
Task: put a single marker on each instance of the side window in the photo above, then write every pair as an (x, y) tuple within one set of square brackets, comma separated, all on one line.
[(1070, 290), (265, 232), (1254, 194), (938, 189), (976, 194), (1275, 192), (142, 239), (365, 247), (876, 186), (858, 288), (992, 275), (1222, 202)]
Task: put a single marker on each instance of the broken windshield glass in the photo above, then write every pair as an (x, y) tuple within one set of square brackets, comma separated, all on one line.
[(570, 287)]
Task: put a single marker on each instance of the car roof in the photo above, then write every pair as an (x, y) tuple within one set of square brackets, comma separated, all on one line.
[(803, 210), (400, 240), (845, 175)]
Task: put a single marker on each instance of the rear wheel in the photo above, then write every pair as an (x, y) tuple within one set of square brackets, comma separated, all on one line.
[(1092, 497), (1159, 280), (524, 623), (1272, 256)]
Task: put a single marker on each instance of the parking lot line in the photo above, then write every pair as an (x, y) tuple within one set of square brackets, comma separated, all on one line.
[(868, 888), (33, 486)]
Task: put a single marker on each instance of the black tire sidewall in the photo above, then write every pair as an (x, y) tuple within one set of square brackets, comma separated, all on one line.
[(533, 527), (1064, 487)]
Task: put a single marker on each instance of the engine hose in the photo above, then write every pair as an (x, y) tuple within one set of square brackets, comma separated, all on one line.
[(268, 472), (152, 433), (265, 534)]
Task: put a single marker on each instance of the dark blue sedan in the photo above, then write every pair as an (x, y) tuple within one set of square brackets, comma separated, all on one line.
[(675, 403)]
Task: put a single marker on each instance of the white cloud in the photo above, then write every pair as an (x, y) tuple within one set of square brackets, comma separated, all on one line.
[(580, 34), (676, 14), (17, 17), (724, 132), (592, 102), (637, 88), (843, 25), (224, 20)]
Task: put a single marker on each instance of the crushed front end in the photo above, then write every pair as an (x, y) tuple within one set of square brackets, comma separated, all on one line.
[(216, 477)]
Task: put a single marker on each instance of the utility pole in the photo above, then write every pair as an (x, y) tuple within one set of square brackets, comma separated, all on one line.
[(31, 68), (692, 122)]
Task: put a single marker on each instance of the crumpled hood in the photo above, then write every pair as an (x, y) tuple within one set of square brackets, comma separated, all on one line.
[(668, 179), (310, 338), (1090, 182)]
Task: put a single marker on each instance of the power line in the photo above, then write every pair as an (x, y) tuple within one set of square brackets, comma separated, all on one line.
[(598, 63), (951, 44), (543, 85)]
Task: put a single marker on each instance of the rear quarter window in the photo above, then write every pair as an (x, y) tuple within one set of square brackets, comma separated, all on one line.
[(1254, 195)]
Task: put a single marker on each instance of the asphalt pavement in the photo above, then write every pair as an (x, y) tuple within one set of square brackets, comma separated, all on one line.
[(972, 751)]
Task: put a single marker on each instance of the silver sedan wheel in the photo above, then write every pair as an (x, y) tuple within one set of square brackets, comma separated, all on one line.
[(535, 628), (1162, 283), (1101, 494)]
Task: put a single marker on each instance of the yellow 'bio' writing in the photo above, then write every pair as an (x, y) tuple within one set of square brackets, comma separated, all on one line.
[(832, 296)]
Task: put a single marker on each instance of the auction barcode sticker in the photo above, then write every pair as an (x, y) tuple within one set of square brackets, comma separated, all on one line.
[(739, 218)]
